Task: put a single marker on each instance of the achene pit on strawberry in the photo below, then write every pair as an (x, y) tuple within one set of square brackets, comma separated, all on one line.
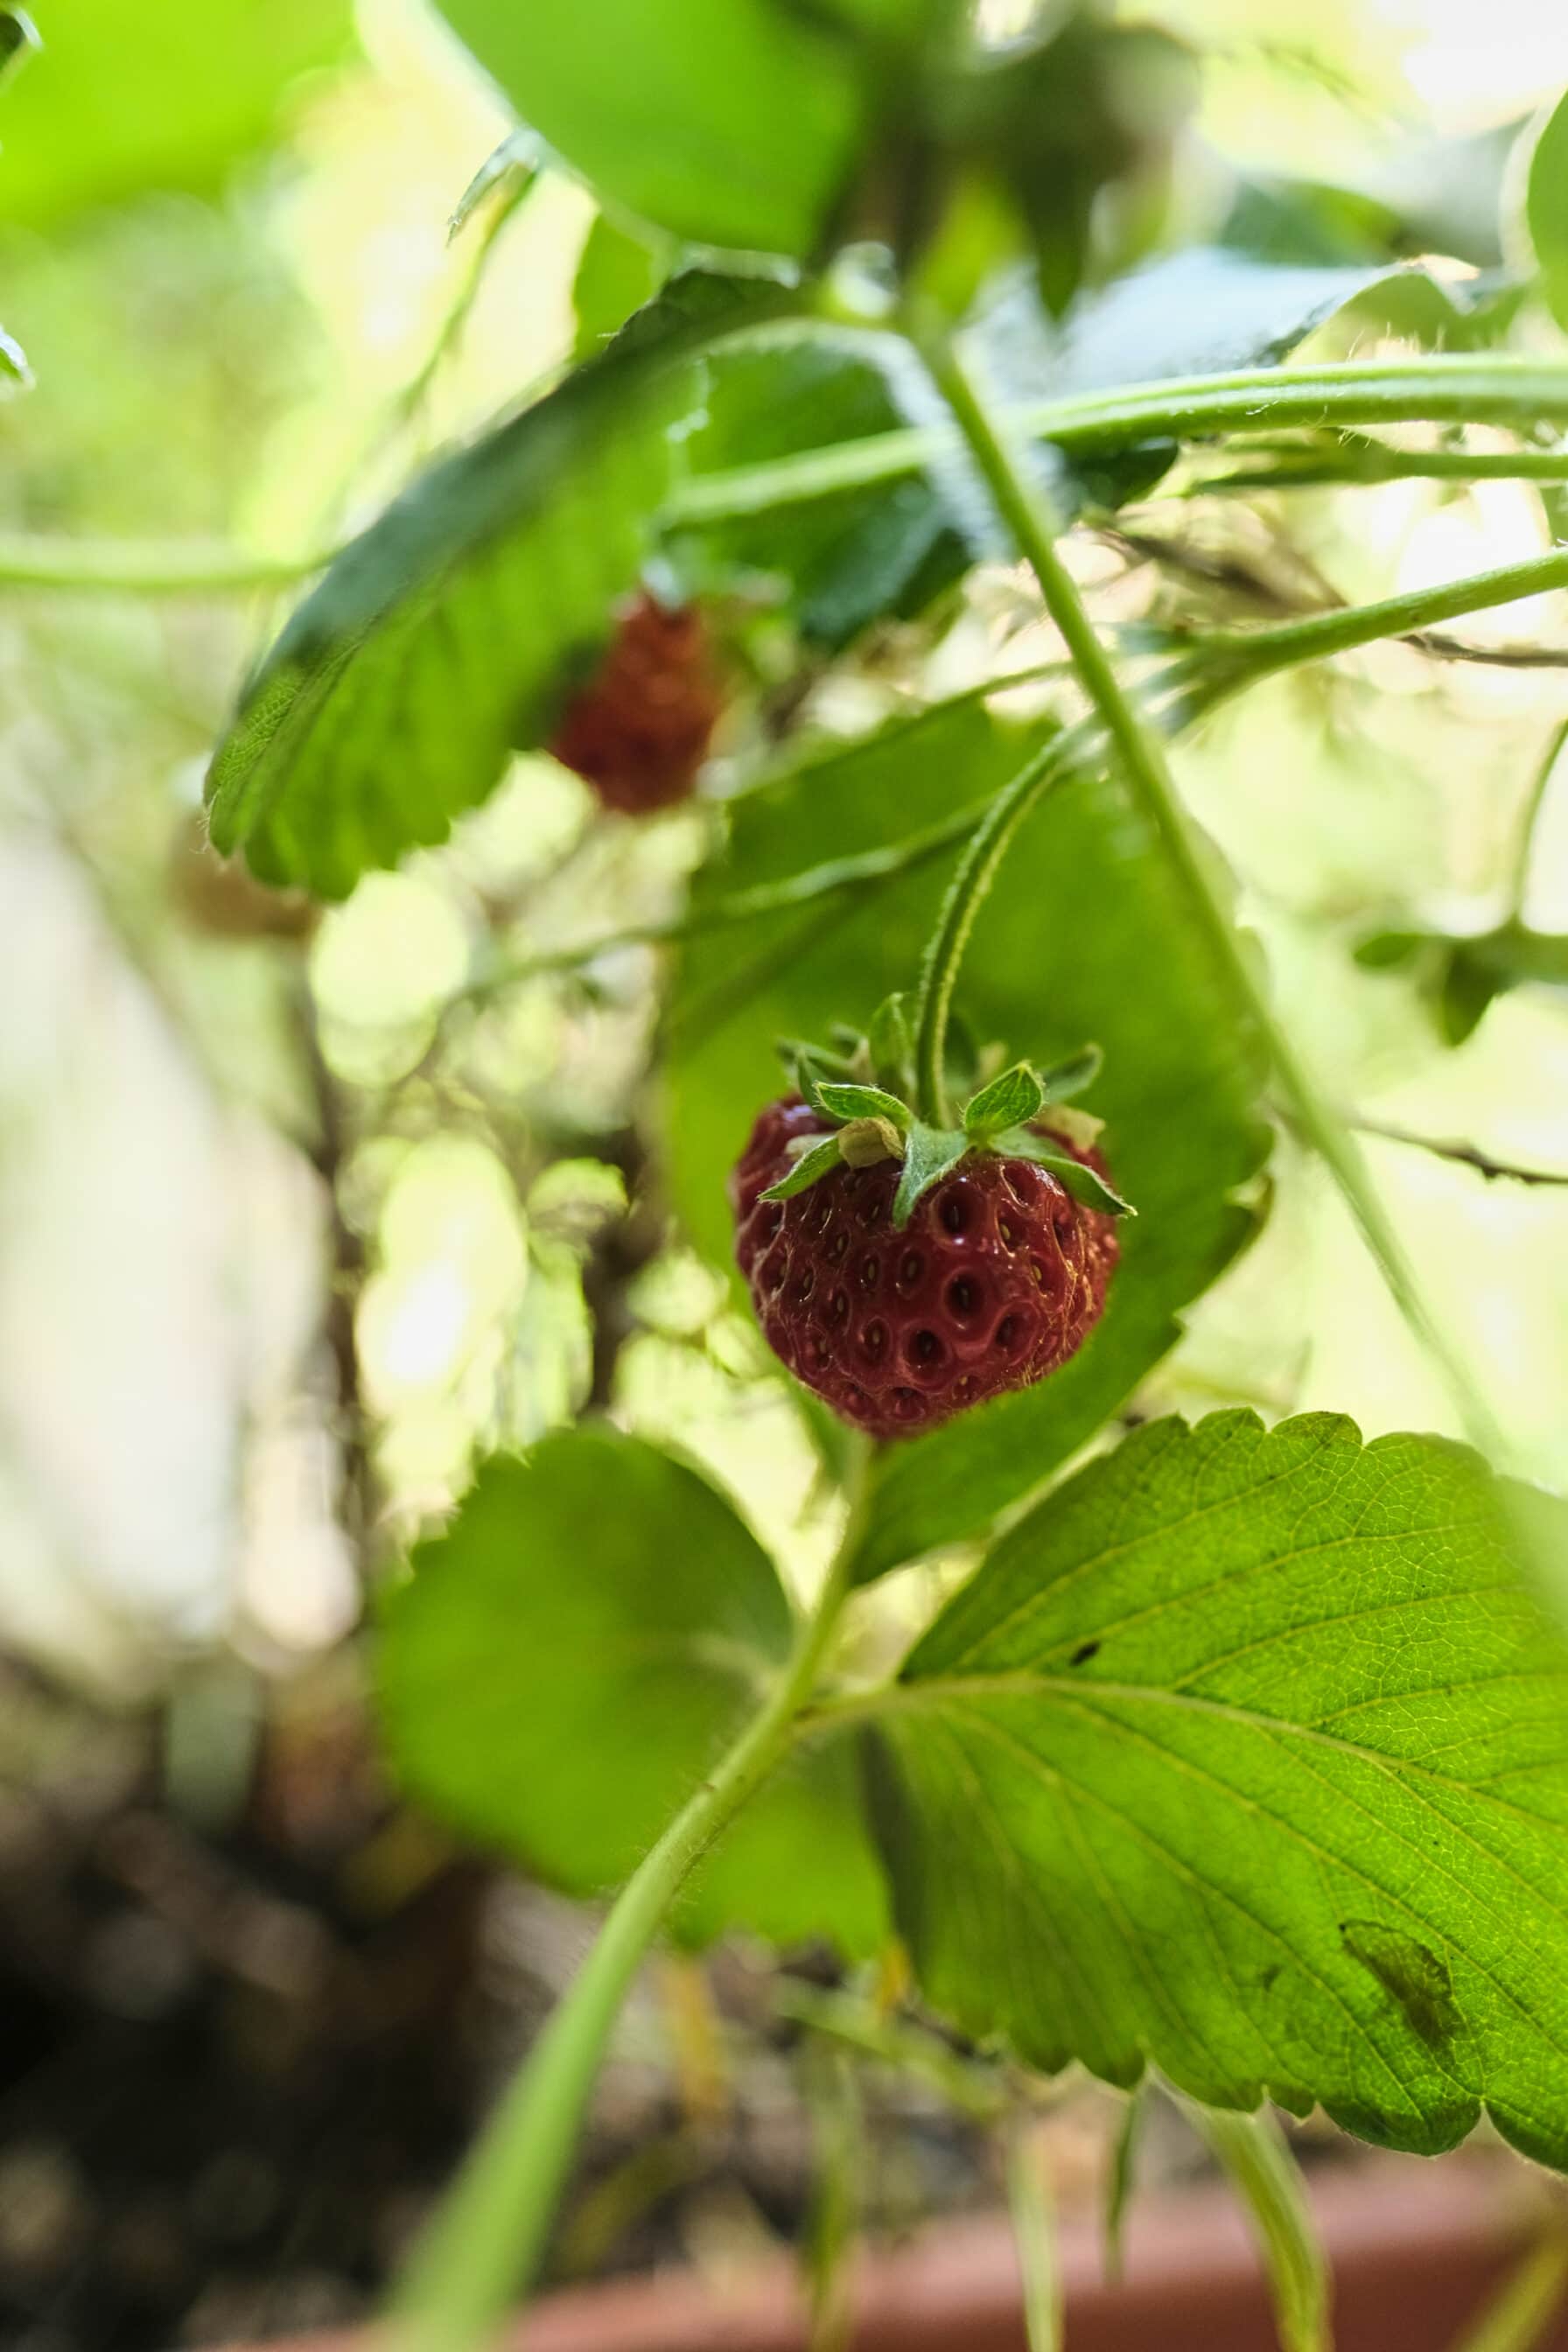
[(907, 1272)]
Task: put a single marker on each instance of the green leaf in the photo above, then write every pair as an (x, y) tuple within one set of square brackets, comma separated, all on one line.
[(1073, 1076), (158, 95), (1546, 209), (448, 633), (571, 1655), (730, 122), (807, 1171), (616, 274), (1083, 1183), (1257, 2157), (1010, 1100), (863, 1102), (1084, 902), (1246, 1757), (929, 1153)]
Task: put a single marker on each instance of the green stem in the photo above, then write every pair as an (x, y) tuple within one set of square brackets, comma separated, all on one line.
[(977, 868), (1529, 817), (1487, 388), (1031, 2206), (489, 2236), (1142, 756), (172, 567), (1255, 652)]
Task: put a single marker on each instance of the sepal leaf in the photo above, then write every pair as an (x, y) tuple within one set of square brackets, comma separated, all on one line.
[(847, 1102), (807, 1171), (1082, 1183), (929, 1153), (1010, 1100)]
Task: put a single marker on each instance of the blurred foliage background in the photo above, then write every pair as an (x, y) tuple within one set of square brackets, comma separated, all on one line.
[(300, 1210)]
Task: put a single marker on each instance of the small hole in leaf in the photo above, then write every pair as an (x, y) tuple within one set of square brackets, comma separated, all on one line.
[(1084, 1651)]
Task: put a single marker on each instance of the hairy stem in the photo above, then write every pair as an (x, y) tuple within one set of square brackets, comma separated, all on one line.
[(987, 845), (488, 2239), (1487, 388), (1141, 754)]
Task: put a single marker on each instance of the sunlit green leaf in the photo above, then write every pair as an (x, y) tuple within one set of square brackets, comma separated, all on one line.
[(1246, 1755), (616, 274), (1546, 209), (1083, 1183), (568, 1659), (730, 122), (156, 95)]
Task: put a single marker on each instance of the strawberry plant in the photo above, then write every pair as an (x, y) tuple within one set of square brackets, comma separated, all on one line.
[(1240, 1755)]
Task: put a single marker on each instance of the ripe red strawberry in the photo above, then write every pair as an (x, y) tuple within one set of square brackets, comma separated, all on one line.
[(639, 728), (998, 1276)]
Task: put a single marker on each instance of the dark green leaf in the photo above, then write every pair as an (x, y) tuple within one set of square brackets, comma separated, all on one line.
[(808, 1170), (1246, 1757), (1546, 209), (1084, 902), (1010, 1100), (730, 122), (1081, 1182), (450, 631), (929, 1153), (572, 1655), (863, 1102), (156, 95), (837, 563), (18, 39)]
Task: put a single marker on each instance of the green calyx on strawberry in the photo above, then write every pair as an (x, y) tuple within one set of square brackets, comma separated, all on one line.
[(860, 1089)]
